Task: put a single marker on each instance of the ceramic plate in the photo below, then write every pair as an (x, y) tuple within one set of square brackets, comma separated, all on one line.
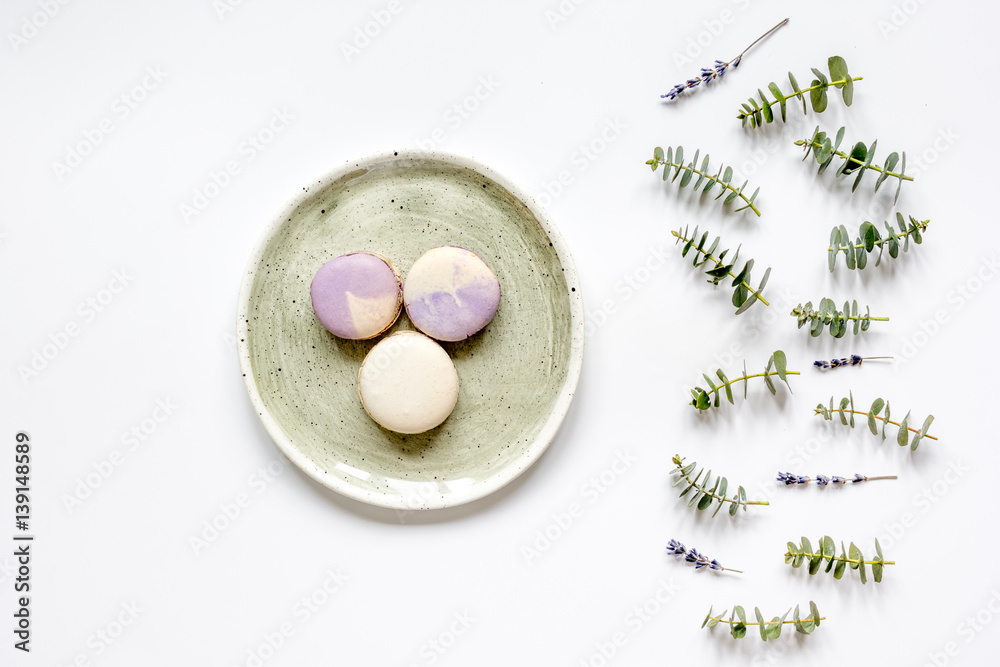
[(517, 376)]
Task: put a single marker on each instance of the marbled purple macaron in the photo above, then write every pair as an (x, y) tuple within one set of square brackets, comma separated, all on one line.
[(450, 293), (357, 296)]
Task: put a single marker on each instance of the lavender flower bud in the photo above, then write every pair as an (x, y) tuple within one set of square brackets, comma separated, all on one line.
[(675, 548)]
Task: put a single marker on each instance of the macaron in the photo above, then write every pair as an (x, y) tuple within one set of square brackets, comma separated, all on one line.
[(357, 296), (408, 383), (450, 293)]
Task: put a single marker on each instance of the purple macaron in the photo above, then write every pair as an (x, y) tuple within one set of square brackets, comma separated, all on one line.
[(450, 293), (357, 296)]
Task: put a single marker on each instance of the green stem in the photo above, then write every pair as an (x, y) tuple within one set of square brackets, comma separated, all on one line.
[(657, 163), (881, 242), (814, 316), (859, 162), (842, 560), (743, 112), (822, 85), (728, 622), (889, 421), (721, 499), (709, 257), (748, 377)]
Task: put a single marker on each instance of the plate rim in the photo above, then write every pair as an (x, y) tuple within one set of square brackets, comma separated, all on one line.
[(566, 393)]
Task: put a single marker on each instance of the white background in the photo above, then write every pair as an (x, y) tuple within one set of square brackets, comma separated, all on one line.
[(586, 78)]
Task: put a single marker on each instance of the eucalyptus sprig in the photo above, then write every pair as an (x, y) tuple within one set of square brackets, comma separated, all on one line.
[(758, 114), (859, 159), (868, 239), (846, 413), (703, 399), (737, 622), (703, 495), (798, 554), (674, 160), (744, 296), (838, 321)]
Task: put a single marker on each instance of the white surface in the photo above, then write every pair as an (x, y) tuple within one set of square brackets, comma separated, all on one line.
[(569, 110), (408, 383)]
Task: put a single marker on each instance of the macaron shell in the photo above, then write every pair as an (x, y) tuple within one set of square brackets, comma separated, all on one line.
[(450, 293), (357, 296), (408, 383)]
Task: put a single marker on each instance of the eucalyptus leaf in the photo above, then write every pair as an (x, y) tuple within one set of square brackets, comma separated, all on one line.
[(756, 114), (672, 162), (835, 320), (860, 159), (718, 268)]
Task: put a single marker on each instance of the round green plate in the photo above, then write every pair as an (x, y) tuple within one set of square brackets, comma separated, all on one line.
[(517, 376)]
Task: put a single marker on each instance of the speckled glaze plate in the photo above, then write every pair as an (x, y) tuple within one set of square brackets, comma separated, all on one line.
[(517, 376)]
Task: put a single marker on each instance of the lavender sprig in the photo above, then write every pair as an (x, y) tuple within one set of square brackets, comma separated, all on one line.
[(700, 561), (822, 480), (853, 360), (716, 71)]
